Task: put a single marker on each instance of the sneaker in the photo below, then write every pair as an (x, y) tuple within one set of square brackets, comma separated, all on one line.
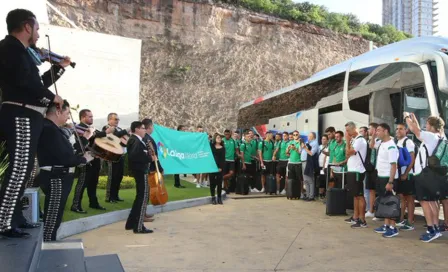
[(255, 190), (407, 226), (390, 232), (283, 192), (198, 185), (369, 214), (350, 221), (401, 224), (443, 227), (195, 181), (277, 193), (359, 224), (381, 229), (428, 237), (262, 190)]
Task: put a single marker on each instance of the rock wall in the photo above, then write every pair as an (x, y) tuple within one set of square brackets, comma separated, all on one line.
[(202, 60)]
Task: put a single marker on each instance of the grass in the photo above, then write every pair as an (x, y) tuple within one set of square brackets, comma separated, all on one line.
[(128, 195)]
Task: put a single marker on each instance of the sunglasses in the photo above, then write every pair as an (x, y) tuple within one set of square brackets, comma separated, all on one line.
[(295, 135)]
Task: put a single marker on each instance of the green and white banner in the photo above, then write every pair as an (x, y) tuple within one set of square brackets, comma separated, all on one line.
[(183, 152)]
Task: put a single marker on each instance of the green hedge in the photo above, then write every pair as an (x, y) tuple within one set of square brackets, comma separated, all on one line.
[(127, 182), (320, 16)]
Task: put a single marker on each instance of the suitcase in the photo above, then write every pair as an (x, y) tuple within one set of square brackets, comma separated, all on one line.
[(336, 199), (242, 185), (271, 185), (293, 189)]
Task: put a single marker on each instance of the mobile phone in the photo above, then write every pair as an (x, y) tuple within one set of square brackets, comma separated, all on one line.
[(406, 114)]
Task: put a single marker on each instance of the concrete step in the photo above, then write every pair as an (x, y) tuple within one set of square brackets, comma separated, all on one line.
[(109, 263), (21, 255), (67, 256)]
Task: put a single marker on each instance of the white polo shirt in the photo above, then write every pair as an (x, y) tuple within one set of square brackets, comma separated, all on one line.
[(354, 163), (387, 156), (430, 140)]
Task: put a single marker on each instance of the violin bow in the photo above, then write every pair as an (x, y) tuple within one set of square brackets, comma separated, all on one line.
[(56, 90)]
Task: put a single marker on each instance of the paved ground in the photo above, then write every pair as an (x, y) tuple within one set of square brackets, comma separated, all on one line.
[(254, 235)]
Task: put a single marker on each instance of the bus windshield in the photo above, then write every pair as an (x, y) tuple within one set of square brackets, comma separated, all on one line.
[(442, 96)]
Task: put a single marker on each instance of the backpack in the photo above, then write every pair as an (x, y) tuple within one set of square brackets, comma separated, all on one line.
[(368, 166), (439, 159), (404, 157)]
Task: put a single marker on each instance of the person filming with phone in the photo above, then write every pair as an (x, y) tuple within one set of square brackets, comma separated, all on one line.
[(426, 181)]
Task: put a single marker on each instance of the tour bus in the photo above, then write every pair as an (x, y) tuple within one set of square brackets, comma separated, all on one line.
[(377, 86)]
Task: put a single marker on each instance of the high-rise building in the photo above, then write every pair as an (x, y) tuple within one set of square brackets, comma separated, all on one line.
[(416, 17)]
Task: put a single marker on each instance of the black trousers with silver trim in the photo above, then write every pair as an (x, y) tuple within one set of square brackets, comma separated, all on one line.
[(20, 128), (56, 189), (88, 178), (138, 211), (115, 176)]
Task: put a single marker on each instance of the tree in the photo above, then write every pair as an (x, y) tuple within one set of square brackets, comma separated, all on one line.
[(320, 16)]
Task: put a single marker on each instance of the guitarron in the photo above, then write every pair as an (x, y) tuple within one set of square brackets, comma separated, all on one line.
[(158, 194)]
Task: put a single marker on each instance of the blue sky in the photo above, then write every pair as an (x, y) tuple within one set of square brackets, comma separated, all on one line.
[(370, 10)]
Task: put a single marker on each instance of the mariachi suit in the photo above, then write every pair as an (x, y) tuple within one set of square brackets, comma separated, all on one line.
[(115, 170), (88, 174), (138, 163), (25, 97), (57, 160)]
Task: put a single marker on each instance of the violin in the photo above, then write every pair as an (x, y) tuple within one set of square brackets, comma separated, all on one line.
[(40, 55), (157, 191)]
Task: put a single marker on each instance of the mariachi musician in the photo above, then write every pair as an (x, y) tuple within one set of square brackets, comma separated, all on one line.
[(139, 158), (149, 127), (88, 174), (57, 161), (25, 99), (115, 169)]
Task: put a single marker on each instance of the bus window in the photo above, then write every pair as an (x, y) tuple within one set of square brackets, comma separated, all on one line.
[(391, 88), (441, 96), (416, 101)]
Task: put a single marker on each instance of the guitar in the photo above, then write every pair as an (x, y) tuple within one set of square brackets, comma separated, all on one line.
[(158, 194)]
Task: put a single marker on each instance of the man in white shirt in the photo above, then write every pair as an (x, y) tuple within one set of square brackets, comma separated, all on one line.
[(424, 193), (406, 187), (372, 176), (323, 164), (356, 151), (386, 167)]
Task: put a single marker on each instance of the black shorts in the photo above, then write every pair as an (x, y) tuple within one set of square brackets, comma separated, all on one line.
[(355, 183), (250, 170), (281, 168), (381, 186), (228, 166), (406, 187), (371, 180), (269, 168), (444, 189), (427, 187)]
